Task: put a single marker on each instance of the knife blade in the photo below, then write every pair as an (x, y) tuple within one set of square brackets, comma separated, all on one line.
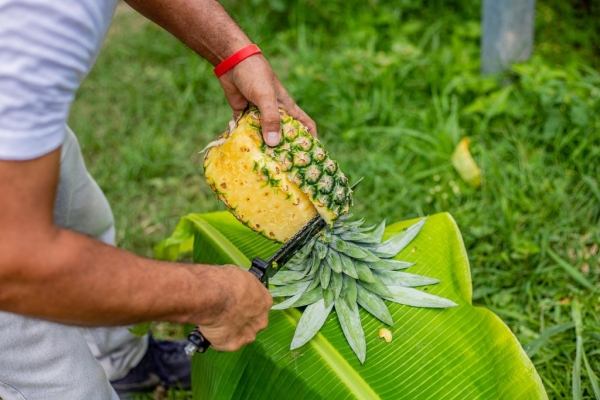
[(263, 270)]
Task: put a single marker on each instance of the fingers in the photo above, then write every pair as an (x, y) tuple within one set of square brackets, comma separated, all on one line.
[(301, 116), (270, 120), (244, 312), (253, 81), (234, 97), (290, 106), (229, 342)]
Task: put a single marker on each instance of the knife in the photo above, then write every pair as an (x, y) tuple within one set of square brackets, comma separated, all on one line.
[(263, 270)]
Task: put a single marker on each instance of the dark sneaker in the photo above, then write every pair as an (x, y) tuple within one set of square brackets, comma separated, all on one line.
[(164, 364)]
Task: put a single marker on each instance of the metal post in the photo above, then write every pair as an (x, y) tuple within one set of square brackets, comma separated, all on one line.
[(507, 33)]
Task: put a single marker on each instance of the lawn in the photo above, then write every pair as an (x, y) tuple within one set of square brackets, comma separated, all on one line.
[(393, 89)]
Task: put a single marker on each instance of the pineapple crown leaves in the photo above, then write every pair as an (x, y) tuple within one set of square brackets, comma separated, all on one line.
[(345, 267)]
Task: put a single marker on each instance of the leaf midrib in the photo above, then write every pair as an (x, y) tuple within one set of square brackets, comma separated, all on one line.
[(237, 257), (338, 364)]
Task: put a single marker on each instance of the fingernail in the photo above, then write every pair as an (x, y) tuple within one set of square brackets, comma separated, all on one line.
[(272, 138)]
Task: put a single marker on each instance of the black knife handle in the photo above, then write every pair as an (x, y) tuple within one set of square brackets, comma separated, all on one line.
[(197, 342), (259, 270)]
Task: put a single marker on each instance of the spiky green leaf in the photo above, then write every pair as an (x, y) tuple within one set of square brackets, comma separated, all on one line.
[(289, 290), (336, 284), (321, 250), (397, 278), (312, 265), (286, 277), (328, 296), (391, 265), (287, 303), (362, 237), (360, 253), (310, 323), (316, 278), (396, 243), (349, 290), (373, 304), (295, 265), (325, 275), (309, 297), (353, 330), (416, 298), (334, 261), (364, 272), (348, 266), (377, 287), (338, 244), (299, 300)]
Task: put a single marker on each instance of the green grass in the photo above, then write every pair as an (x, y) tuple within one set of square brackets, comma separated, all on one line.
[(393, 89)]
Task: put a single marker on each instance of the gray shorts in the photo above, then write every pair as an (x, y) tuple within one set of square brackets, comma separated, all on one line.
[(46, 360)]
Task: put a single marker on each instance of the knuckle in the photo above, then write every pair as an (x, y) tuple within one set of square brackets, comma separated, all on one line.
[(264, 323), (269, 120), (269, 300), (230, 347)]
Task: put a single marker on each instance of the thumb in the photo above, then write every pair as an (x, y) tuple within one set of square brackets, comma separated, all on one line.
[(270, 122)]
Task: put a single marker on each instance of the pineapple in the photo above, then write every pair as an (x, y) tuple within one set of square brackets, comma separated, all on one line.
[(276, 191)]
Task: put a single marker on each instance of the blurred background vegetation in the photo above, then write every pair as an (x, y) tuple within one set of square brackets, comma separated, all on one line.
[(393, 87)]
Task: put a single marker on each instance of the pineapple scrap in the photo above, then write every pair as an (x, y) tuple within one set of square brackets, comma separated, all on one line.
[(385, 334)]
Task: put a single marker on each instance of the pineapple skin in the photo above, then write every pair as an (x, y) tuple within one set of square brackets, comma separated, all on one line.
[(275, 191)]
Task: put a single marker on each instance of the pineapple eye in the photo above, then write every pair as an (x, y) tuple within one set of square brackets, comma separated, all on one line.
[(286, 162), (269, 151), (290, 132), (284, 147), (303, 143), (342, 180), (340, 195), (294, 178), (319, 154), (325, 184), (301, 159), (309, 190), (336, 209), (313, 173), (323, 200), (330, 166)]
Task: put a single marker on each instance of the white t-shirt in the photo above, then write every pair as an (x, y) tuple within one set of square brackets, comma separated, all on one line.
[(47, 47)]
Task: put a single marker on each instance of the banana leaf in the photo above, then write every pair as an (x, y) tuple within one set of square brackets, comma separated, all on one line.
[(464, 352)]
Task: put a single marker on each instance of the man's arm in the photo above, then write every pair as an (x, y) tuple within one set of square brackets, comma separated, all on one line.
[(205, 27), (64, 276)]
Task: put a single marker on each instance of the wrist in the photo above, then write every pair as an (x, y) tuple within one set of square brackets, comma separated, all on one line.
[(236, 58), (208, 294)]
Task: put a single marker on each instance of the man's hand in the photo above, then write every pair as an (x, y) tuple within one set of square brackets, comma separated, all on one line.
[(253, 81), (206, 28), (241, 314)]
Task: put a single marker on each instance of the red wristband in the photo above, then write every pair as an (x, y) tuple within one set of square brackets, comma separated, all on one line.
[(236, 58)]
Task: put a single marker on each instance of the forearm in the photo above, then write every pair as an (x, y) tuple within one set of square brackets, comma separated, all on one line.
[(77, 280), (206, 28), (203, 25)]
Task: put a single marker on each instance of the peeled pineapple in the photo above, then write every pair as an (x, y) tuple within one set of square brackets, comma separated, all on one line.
[(276, 191)]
